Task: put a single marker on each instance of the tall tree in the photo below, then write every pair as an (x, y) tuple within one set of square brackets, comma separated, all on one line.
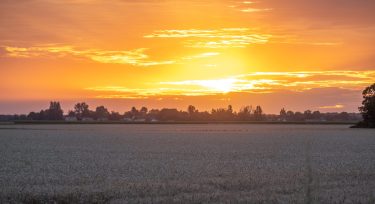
[(230, 109), (143, 112), (191, 109), (283, 114), (290, 115), (258, 113), (368, 107), (245, 113), (307, 114), (134, 112), (101, 112), (33, 116), (115, 116), (316, 115), (82, 110), (54, 112), (71, 114)]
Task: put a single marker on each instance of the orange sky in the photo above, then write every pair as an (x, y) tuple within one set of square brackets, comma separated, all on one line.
[(298, 54)]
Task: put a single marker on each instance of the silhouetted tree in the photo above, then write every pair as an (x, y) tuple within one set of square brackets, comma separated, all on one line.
[(368, 107), (307, 114), (203, 116), (316, 115), (33, 116), (101, 112), (115, 116), (343, 116), (222, 114), (43, 115), (191, 110), (153, 114), (171, 115), (245, 113), (283, 114), (143, 112), (19, 117), (230, 109), (193, 113), (71, 114), (54, 112), (258, 113), (298, 116), (290, 115), (82, 110), (134, 112)]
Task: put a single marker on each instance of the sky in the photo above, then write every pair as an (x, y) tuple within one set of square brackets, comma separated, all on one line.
[(297, 54)]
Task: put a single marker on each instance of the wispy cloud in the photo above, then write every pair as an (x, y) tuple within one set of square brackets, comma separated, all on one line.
[(300, 81), (202, 55), (252, 10), (299, 40), (134, 57), (215, 38), (337, 106), (248, 7), (138, 93), (257, 82)]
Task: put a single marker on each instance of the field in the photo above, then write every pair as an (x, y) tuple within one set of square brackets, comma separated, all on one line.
[(230, 163)]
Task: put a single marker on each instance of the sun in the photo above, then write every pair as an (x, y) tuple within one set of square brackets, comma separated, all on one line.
[(220, 85)]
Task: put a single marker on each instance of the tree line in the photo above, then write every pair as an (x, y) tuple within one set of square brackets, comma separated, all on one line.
[(82, 112)]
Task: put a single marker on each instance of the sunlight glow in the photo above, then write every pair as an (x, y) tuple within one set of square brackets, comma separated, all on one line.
[(257, 82)]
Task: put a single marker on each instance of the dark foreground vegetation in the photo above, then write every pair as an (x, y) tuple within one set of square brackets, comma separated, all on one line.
[(368, 108), (82, 113)]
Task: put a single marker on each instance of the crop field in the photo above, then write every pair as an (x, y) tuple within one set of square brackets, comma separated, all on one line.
[(186, 164)]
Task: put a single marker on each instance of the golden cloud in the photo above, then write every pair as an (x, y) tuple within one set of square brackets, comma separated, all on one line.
[(244, 6), (337, 106), (134, 57), (216, 38), (252, 10), (257, 82)]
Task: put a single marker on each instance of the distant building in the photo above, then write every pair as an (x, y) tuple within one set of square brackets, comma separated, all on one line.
[(316, 120), (87, 119), (102, 119), (140, 120), (70, 118), (282, 120), (127, 119)]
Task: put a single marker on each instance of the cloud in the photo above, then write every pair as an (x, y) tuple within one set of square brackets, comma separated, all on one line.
[(137, 93), (252, 10), (202, 55), (214, 38), (135, 57), (256, 82), (337, 106), (301, 81), (248, 7)]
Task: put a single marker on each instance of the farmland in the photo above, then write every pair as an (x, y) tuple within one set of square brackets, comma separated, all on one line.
[(196, 163)]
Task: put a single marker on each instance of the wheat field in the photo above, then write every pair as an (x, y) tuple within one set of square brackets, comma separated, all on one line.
[(186, 164)]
